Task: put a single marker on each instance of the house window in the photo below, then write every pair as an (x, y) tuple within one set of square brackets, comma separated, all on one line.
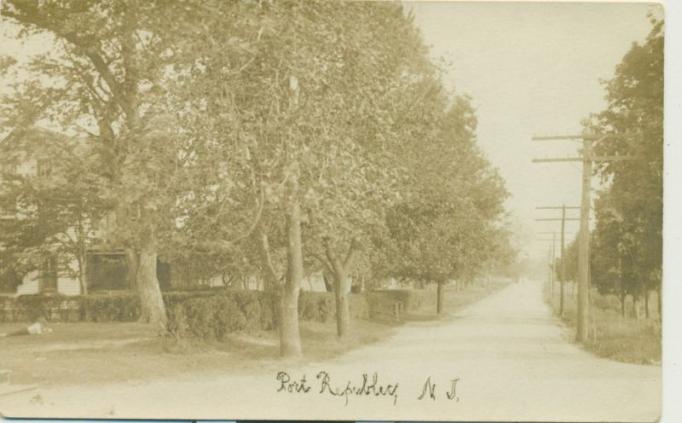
[(107, 271)]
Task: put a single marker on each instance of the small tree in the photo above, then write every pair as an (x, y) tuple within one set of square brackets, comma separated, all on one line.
[(52, 209)]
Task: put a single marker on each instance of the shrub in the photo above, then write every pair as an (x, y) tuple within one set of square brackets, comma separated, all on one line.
[(203, 314), (29, 308), (212, 317), (250, 308), (109, 308), (316, 306), (269, 310), (359, 306)]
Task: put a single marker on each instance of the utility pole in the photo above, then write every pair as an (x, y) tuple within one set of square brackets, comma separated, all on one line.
[(562, 268), (551, 258), (587, 160), (584, 245), (563, 261), (551, 266)]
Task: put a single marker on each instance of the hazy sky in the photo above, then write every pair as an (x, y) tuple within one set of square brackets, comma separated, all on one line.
[(532, 68)]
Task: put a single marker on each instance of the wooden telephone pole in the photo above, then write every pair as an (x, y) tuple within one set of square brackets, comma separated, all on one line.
[(587, 159), (562, 269)]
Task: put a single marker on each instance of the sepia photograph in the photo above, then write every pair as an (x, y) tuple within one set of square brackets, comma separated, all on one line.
[(332, 210)]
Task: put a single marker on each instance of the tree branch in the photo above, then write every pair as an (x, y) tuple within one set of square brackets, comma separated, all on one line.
[(28, 14), (321, 259), (352, 249), (264, 248)]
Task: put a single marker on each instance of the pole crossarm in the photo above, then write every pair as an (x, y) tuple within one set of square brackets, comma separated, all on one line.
[(588, 159), (557, 207), (576, 137), (557, 219), (612, 158), (559, 159), (589, 137), (583, 159)]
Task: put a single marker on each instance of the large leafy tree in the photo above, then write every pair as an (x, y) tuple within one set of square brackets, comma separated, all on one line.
[(104, 77), (359, 177), (630, 209), (307, 100), (50, 200), (449, 224)]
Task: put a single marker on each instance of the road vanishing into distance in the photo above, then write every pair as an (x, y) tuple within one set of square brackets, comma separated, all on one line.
[(504, 357)]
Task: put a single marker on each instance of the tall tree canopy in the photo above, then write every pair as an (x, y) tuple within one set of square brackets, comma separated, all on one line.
[(628, 238), (269, 137)]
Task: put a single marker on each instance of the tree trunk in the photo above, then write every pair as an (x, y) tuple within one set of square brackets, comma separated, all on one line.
[(635, 306), (658, 299), (289, 336), (132, 264), (270, 278), (341, 290), (82, 258), (439, 298), (342, 285), (153, 310), (82, 273)]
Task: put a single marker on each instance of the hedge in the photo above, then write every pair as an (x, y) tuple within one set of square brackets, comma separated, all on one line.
[(31, 307), (208, 314)]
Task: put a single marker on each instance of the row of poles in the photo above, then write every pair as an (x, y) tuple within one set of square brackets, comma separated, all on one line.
[(587, 158), (552, 250)]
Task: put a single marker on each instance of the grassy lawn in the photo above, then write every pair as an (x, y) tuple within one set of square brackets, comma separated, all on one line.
[(613, 336), (129, 352)]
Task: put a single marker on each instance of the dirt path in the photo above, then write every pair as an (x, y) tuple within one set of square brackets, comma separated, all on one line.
[(511, 359)]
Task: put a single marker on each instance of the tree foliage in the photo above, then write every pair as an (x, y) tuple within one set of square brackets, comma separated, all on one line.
[(627, 249), (269, 138)]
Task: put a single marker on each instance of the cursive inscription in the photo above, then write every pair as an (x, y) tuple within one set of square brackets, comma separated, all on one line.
[(429, 390), (366, 386)]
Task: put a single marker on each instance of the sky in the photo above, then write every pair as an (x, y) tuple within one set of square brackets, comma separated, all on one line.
[(532, 69)]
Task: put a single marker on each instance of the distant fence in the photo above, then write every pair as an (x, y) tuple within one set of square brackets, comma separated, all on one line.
[(392, 305)]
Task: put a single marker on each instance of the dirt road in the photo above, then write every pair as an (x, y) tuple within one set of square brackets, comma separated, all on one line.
[(509, 357)]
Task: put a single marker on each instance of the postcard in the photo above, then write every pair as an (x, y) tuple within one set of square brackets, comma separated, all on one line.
[(345, 210)]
